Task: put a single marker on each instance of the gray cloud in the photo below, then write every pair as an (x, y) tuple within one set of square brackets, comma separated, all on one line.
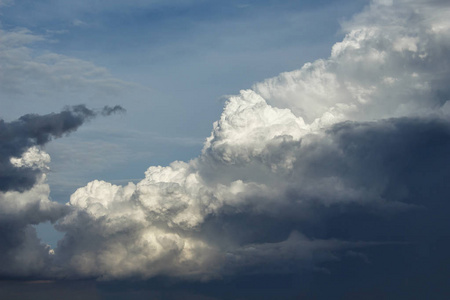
[(34, 130), (22, 253), (106, 111)]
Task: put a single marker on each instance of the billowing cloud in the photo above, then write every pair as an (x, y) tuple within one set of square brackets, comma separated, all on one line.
[(365, 132), (202, 219), (392, 62), (293, 150)]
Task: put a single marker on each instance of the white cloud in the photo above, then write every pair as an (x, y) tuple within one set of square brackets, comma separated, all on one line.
[(33, 158), (385, 41), (245, 127)]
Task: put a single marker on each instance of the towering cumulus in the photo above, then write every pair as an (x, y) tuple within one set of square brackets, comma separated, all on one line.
[(366, 130)]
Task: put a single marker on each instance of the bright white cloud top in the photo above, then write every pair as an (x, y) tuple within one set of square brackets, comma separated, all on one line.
[(314, 137)]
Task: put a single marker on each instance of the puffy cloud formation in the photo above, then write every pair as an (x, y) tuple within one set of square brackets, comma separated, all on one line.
[(292, 170), (365, 130), (392, 62)]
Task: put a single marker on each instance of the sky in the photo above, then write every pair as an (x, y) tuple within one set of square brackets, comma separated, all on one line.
[(195, 149)]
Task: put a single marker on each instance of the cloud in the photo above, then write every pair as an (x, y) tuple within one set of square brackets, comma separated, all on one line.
[(34, 130), (175, 219), (107, 111), (388, 65), (292, 169), (363, 130), (23, 254), (29, 72)]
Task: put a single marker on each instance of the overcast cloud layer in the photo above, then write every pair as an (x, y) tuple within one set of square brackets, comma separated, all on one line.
[(364, 132)]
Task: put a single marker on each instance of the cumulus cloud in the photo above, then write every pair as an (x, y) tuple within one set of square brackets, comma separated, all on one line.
[(366, 130), (177, 223), (392, 62)]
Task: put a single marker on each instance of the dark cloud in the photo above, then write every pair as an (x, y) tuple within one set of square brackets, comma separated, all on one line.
[(386, 162), (34, 130), (107, 110), (381, 185), (21, 252), (398, 171)]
